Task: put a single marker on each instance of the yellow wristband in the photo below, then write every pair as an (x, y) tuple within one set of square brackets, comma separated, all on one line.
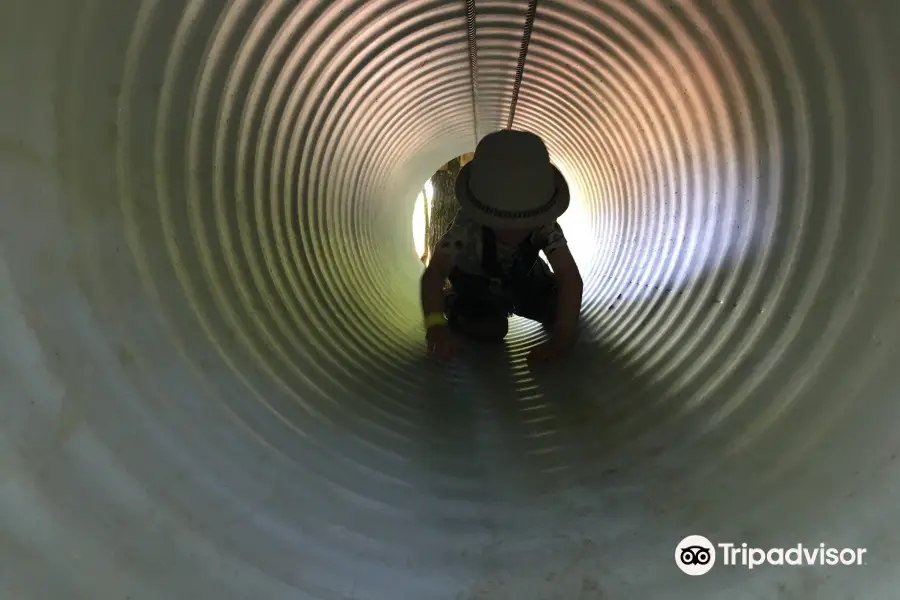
[(435, 320)]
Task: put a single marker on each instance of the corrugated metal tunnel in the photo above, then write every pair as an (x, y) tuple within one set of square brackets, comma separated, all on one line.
[(213, 381)]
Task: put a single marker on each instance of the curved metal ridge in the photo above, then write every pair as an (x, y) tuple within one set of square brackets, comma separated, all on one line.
[(212, 376)]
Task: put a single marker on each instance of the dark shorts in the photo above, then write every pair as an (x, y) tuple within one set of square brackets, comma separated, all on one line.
[(535, 299)]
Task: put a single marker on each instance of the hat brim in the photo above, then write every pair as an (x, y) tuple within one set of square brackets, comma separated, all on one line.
[(469, 210)]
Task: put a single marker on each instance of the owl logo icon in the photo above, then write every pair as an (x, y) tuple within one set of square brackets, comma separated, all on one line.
[(695, 555)]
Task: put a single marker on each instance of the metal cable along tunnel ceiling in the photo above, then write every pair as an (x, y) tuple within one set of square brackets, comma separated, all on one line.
[(212, 378)]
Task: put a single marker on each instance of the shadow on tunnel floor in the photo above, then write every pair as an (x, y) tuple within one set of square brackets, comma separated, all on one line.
[(490, 411)]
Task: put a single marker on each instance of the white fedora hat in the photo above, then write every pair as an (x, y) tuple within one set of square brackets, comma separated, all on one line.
[(510, 183)]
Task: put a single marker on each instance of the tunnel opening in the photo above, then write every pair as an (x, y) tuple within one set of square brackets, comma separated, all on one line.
[(436, 207), (212, 376)]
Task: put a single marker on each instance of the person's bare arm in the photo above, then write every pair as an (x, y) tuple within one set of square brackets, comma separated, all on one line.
[(433, 283), (570, 287)]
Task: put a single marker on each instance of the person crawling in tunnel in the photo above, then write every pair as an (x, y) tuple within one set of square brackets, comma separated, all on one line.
[(510, 197)]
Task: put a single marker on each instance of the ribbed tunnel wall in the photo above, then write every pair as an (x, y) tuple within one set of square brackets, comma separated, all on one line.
[(212, 382)]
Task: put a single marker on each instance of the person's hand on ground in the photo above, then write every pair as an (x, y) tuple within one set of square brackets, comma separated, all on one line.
[(442, 343), (553, 349)]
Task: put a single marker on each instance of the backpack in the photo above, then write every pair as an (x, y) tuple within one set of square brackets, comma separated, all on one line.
[(504, 286)]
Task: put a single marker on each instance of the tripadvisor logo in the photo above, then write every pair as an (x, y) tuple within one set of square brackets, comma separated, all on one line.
[(696, 555)]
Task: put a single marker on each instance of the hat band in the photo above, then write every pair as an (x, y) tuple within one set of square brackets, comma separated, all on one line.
[(510, 214)]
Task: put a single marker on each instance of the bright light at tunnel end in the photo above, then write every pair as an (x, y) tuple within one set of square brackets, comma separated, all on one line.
[(419, 221)]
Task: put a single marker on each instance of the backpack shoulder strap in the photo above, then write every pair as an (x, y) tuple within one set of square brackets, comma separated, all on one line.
[(489, 260), (529, 251)]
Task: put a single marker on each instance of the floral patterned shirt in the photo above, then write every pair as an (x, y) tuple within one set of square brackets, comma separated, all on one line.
[(463, 244)]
